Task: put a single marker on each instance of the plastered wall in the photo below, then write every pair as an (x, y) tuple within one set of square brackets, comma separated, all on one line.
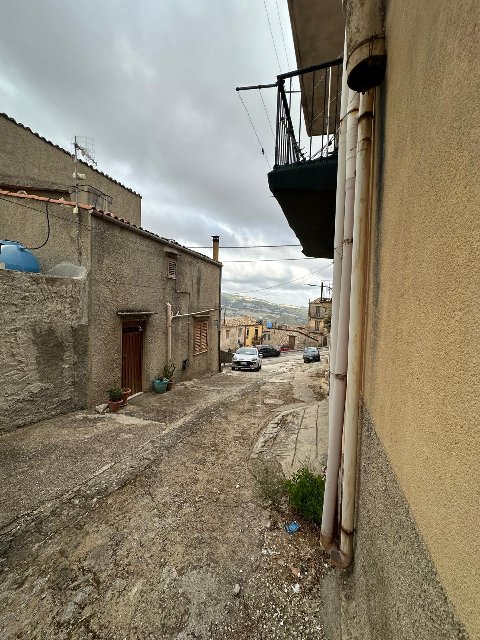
[(26, 160), (421, 385), (43, 347), (129, 272)]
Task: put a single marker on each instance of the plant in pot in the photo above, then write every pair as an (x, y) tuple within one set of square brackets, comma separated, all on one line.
[(115, 397), (160, 384), (126, 391), (168, 371)]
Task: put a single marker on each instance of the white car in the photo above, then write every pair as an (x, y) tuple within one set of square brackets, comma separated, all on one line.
[(247, 358)]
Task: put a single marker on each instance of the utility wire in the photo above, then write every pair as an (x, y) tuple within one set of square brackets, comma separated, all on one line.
[(268, 260), (283, 37), (255, 131), (48, 230), (307, 275), (266, 112), (251, 246), (271, 33)]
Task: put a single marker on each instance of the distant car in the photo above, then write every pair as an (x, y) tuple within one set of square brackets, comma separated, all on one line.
[(247, 358), (311, 354), (267, 351)]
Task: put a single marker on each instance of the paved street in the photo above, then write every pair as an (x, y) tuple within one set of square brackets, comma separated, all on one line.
[(150, 524)]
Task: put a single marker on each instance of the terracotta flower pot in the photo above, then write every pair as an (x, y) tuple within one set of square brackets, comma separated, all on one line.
[(126, 393), (114, 405)]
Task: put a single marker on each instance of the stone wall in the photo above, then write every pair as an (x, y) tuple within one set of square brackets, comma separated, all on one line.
[(43, 347)]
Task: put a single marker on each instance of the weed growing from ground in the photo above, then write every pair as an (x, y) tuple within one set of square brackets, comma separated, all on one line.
[(305, 494)]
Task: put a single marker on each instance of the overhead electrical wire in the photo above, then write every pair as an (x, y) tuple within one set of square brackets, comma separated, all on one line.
[(283, 37), (48, 231), (271, 33), (255, 131), (281, 284), (268, 260), (251, 246)]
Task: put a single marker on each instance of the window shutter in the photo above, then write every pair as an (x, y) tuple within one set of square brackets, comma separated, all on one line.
[(172, 269), (200, 336)]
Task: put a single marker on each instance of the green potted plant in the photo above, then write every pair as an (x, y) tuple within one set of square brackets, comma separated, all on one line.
[(115, 398), (168, 371)]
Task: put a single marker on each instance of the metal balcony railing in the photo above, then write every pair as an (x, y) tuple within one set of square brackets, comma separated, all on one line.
[(308, 118)]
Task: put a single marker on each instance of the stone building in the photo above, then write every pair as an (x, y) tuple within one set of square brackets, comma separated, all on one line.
[(393, 196), (240, 331), (113, 303)]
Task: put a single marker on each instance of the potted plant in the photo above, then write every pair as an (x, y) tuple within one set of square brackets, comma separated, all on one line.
[(115, 397), (168, 371), (126, 391), (160, 384)]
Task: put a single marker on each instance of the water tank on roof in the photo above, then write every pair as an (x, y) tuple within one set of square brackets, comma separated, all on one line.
[(16, 257)]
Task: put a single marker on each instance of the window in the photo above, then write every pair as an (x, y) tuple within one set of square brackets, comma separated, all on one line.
[(256, 333), (318, 312), (240, 332), (317, 325), (248, 332), (172, 269), (200, 336)]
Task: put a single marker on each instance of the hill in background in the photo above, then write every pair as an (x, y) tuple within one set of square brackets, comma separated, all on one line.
[(234, 305)]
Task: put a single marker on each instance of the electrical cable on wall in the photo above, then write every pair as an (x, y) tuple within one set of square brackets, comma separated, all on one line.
[(48, 230)]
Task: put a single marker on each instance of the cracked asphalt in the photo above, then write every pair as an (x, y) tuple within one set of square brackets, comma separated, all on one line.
[(150, 524)]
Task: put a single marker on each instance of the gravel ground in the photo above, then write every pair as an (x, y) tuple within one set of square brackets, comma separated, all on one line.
[(177, 543)]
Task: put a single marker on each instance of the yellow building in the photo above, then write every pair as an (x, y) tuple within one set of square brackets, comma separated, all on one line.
[(400, 135)]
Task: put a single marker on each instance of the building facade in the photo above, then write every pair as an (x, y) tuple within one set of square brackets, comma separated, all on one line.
[(404, 545), (112, 305)]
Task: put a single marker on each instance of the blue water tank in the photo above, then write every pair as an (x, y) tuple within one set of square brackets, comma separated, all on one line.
[(269, 324), (17, 258)]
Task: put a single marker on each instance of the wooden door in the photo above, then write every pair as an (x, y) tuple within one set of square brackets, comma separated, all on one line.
[(132, 354)]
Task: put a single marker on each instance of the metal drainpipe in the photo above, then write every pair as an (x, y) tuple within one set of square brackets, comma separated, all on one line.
[(343, 557), (339, 382)]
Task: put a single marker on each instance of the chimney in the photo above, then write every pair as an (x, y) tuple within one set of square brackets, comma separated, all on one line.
[(216, 242)]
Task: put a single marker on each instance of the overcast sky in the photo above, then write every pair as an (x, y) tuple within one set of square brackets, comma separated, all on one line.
[(153, 83)]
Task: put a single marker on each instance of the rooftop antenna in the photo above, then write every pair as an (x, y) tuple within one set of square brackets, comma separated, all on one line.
[(84, 147)]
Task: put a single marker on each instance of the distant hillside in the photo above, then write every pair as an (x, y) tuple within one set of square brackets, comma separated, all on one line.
[(275, 312)]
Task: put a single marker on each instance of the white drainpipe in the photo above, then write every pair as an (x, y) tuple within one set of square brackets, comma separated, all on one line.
[(337, 390), (343, 557), (169, 333), (339, 215)]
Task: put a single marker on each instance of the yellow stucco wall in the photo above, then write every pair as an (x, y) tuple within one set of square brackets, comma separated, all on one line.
[(423, 339)]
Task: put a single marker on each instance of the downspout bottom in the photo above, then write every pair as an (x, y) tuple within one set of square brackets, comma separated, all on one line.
[(340, 559), (326, 541)]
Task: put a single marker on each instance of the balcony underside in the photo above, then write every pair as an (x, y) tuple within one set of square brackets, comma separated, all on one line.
[(306, 193)]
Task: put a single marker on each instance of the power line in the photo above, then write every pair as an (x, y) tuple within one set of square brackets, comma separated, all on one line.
[(255, 131), (268, 260), (283, 38), (266, 112), (251, 246), (307, 275), (271, 33)]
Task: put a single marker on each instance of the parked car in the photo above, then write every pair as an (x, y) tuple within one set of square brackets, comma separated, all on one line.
[(311, 354), (267, 351), (247, 358)]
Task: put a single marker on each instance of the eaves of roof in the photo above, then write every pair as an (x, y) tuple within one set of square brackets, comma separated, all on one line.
[(110, 217), (105, 175)]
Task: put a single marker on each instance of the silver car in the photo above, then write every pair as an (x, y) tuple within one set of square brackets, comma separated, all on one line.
[(247, 358)]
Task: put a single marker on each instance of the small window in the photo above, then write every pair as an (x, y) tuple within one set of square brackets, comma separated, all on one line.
[(240, 331), (172, 269), (318, 312), (200, 336), (317, 325), (248, 332)]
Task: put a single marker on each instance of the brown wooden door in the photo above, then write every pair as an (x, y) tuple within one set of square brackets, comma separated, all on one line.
[(132, 354)]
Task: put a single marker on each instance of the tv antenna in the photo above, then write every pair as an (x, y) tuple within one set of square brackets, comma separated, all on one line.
[(83, 149)]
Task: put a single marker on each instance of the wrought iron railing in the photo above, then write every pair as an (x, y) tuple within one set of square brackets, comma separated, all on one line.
[(308, 116)]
